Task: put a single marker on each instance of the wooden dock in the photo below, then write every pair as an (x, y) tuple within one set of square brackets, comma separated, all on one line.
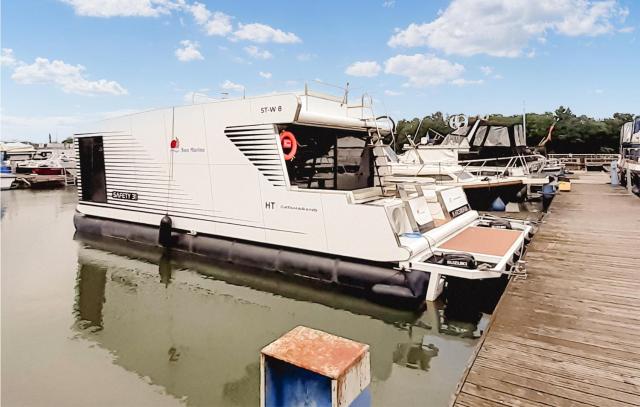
[(568, 334)]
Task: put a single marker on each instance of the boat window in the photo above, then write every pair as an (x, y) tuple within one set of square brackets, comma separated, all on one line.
[(92, 173), (330, 158), (463, 175), (441, 177), (479, 136), (497, 137), (455, 140), (636, 126), (518, 135)]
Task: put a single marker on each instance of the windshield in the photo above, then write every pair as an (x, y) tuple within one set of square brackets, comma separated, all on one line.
[(636, 125), (463, 175)]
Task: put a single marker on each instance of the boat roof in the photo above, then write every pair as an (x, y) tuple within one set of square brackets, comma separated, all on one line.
[(16, 147), (303, 107)]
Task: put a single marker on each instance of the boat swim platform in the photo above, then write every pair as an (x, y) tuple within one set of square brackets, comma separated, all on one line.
[(569, 333)]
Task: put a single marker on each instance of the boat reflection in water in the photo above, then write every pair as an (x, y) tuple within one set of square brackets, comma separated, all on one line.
[(197, 329)]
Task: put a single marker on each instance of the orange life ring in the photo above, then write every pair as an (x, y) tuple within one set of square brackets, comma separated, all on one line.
[(288, 142)]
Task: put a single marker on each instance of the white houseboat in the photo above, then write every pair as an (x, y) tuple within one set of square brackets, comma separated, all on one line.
[(289, 183)]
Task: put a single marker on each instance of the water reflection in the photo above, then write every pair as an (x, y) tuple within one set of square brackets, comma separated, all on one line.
[(196, 328)]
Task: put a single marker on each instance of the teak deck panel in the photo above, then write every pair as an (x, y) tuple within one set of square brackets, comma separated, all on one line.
[(494, 242), (569, 334)]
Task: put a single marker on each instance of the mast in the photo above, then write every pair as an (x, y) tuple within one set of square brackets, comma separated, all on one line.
[(524, 121)]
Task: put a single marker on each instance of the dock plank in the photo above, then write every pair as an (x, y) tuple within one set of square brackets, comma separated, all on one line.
[(568, 334)]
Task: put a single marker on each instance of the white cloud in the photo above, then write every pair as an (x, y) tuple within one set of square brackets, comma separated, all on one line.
[(388, 3), (392, 93), (262, 33), (257, 53), (364, 68), (7, 58), (235, 87), (487, 70), (122, 8), (423, 70), (219, 24), (266, 75), (504, 28), (627, 30), (599, 91), (213, 23), (189, 51), (465, 82), (69, 78), (200, 12), (304, 57)]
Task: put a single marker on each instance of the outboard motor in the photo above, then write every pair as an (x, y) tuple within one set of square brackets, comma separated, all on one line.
[(462, 260), (164, 235), (500, 224)]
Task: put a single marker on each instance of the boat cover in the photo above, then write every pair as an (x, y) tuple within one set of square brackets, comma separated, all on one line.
[(630, 133)]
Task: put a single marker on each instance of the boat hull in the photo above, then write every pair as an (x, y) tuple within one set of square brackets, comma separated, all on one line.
[(379, 282), (6, 181), (40, 170)]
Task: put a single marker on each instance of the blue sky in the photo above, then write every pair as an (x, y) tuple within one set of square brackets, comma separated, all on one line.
[(69, 61)]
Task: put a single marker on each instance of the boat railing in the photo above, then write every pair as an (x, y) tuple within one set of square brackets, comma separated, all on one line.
[(501, 168), (504, 164), (583, 161)]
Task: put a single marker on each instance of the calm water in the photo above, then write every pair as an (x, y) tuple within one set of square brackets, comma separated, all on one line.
[(90, 322)]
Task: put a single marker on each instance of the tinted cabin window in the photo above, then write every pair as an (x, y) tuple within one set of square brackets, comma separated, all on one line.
[(331, 159), (92, 176)]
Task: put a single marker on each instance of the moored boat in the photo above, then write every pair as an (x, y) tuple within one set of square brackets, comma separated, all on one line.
[(289, 183)]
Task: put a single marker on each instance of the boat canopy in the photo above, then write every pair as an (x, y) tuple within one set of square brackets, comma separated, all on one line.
[(630, 132), (489, 135), (455, 140)]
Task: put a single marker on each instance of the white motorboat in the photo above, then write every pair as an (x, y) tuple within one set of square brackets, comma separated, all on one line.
[(485, 181), (56, 163), (6, 174), (629, 162), (289, 183)]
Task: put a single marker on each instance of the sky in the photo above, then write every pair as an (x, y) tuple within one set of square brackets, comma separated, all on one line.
[(65, 62)]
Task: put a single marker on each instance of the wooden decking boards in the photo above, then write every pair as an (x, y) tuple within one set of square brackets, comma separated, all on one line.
[(568, 335)]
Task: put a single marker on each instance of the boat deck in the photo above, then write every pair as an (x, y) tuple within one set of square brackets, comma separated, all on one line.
[(568, 334)]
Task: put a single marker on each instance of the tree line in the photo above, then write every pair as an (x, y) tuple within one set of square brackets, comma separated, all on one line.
[(571, 134)]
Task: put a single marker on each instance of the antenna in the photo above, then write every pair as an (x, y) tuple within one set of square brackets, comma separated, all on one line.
[(524, 120)]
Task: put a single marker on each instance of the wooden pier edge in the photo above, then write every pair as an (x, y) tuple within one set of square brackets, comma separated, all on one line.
[(568, 334), (477, 348)]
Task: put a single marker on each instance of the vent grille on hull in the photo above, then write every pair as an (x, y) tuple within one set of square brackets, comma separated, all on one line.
[(259, 143)]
